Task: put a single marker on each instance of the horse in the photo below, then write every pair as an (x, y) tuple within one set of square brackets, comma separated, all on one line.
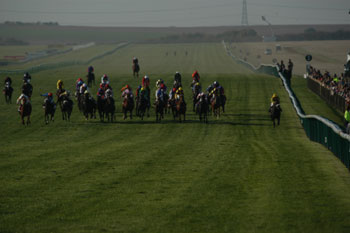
[(49, 109), (202, 108), (135, 69), (90, 79), (25, 109), (159, 106), (101, 102), (8, 92), (172, 106), (80, 100), (128, 105), (66, 108), (89, 106), (143, 104), (181, 108), (215, 103), (275, 113), (109, 108)]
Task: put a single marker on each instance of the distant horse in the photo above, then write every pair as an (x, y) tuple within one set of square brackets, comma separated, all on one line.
[(181, 108), (142, 107), (275, 112), (101, 107), (80, 100), (159, 106), (25, 110), (109, 108), (215, 103), (49, 110), (172, 106), (66, 108), (8, 92), (136, 69), (202, 108), (128, 105), (89, 106), (91, 79)]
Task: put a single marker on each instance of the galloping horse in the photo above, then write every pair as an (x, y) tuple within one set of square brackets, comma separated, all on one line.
[(135, 69), (101, 107), (172, 106), (109, 108), (90, 79), (89, 106), (142, 107), (25, 109), (159, 106), (8, 92), (66, 108), (202, 108), (275, 111), (49, 109), (215, 103), (181, 108), (128, 105)]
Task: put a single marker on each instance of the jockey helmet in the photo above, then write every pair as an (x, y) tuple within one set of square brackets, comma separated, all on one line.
[(174, 89), (142, 89), (162, 85), (50, 94), (107, 86), (145, 77), (197, 84), (84, 85), (104, 76), (127, 86), (177, 72), (101, 85), (180, 89), (274, 95)]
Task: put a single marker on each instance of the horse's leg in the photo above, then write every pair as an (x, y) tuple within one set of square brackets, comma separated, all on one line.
[(28, 119)]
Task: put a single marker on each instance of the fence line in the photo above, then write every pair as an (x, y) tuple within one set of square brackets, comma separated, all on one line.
[(317, 128)]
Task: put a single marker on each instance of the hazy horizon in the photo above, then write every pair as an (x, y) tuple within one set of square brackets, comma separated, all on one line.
[(180, 13)]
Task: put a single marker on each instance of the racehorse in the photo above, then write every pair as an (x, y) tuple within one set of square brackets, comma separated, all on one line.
[(275, 112), (80, 100), (109, 108), (172, 106), (101, 107), (66, 108), (135, 69), (89, 106), (128, 105), (25, 109), (181, 108), (8, 92), (49, 109), (91, 79), (142, 107), (159, 106), (202, 108), (215, 103)]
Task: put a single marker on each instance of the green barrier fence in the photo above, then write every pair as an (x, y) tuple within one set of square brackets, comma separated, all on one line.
[(50, 66), (317, 128)]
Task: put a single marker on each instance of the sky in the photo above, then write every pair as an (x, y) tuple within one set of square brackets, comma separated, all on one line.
[(179, 13)]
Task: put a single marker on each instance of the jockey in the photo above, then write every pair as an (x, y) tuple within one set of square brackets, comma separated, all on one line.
[(145, 81), (172, 93), (179, 93), (83, 88), (8, 80), (160, 93), (105, 79), (27, 78), (101, 92), (195, 76), (196, 89), (275, 99), (138, 90), (177, 77), (90, 69), (27, 88), (159, 82), (20, 102), (49, 96), (126, 91), (135, 60), (60, 84), (78, 84), (109, 93)]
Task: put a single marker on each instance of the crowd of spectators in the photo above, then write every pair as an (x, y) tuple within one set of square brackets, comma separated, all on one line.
[(336, 84)]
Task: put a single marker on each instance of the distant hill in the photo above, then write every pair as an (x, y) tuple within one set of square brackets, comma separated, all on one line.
[(48, 34)]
